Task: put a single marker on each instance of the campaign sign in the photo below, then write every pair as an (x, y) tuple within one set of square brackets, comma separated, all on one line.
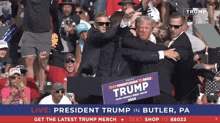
[(131, 89)]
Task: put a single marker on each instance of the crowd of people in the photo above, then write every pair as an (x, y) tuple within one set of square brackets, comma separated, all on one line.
[(50, 40)]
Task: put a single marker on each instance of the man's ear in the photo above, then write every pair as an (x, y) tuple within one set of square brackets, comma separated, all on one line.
[(52, 91), (95, 25)]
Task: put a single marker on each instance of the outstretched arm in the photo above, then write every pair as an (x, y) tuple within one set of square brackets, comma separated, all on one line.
[(150, 56), (43, 61)]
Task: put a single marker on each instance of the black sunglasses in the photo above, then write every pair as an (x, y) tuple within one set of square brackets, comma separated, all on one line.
[(102, 23), (68, 61), (214, 101), (175, 26), (58, 91), (80, 12)]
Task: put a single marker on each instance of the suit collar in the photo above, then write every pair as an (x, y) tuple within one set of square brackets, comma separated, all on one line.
[(172, 41), (177, 36)]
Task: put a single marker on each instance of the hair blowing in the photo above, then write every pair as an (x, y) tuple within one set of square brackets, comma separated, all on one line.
[(100, 14), (178, 15), (145, 18)]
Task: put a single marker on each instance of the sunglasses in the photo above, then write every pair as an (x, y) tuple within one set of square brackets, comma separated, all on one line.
[(102, 23), (214, 101), (68, 61), (80, 12), (175, 26), (58, 91), (14, 77)]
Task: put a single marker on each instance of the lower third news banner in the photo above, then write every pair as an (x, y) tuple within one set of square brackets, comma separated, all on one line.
[(109, 113)]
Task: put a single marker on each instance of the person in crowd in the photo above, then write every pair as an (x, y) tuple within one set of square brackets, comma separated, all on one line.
[(15, 92), (84, 17), (206, 17), (181, 5), (82, 32), (127, 4), (201, 90), (212, 83), (165, 9), (162, 34), (57, 74), (6, 18), (97, 38), (183, 78), (81, 13), (57, 96), (15, 32), (37, 34), (5, 60), (64, 21), (212, 98), (29, 82)]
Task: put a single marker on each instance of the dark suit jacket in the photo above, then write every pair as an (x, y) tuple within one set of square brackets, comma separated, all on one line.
[(113, 64), (183, 77), (92, 48), (148, 60)]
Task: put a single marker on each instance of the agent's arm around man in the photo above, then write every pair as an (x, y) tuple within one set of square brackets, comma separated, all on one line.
[(141, 42)]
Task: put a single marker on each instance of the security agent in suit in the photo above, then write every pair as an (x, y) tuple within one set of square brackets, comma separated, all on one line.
[(183, 78), (111, 61), (128, 65), (97, 38), (142, 48)]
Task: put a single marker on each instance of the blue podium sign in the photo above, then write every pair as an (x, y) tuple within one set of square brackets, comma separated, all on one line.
[(131, 89)]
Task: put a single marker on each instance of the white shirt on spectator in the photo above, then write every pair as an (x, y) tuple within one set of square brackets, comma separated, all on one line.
[(49, 101), (197, 44), (153, 12)]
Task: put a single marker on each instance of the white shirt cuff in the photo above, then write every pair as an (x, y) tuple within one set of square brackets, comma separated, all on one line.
[(161, 54), (123, 24)]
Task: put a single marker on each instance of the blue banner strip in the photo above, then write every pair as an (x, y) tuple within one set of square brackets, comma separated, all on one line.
[(109, 110)]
